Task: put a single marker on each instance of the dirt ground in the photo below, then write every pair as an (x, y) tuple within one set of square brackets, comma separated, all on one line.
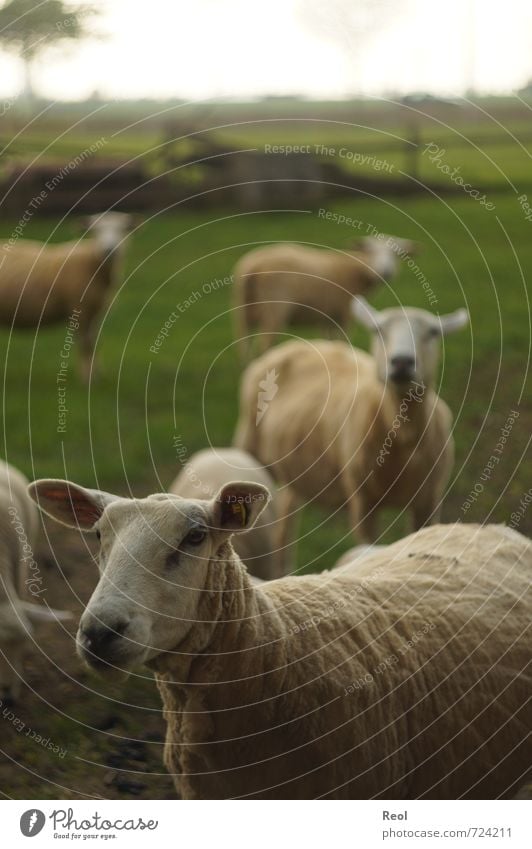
[(70, 735)]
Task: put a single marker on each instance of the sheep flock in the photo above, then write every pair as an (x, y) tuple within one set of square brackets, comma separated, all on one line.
[(403, 672)]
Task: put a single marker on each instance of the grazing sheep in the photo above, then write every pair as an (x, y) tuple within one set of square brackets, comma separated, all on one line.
[(404, 678), (19, 574), (283, 285), (347, 429), (43, 283), (205, 473)]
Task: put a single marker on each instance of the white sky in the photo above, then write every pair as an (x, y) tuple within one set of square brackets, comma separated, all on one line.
[(242, 48)]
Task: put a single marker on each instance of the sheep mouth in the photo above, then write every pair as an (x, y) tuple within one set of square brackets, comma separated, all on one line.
[(105, 669), (402, 376), (116, 661)]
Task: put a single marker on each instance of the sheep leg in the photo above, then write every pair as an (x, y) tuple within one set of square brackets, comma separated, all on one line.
[(363, 519), (288, 506), (274, 318), (244, 350), (335, 332), (425, 512), (240, 325), (87, 337), (266, 340)]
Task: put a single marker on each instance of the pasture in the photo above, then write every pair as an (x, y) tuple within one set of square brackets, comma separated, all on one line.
[(153, 405), (489, 142)]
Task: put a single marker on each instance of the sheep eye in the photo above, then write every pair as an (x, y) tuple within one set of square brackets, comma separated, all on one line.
[(98, 535), (195, 537)]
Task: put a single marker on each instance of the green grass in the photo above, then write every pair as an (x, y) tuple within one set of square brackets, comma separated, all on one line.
[(485, 158), (120, 433), (498, 162)]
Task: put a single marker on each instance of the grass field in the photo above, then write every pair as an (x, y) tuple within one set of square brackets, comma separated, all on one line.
[(499, 161), (122, 432), (127, 431), (490, 142)]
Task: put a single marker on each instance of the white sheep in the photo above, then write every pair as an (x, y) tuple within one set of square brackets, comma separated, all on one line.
[(44, 283), (353, 556), (20, 576), (404, 678), (205, 473), (346, 429), (286, 284)]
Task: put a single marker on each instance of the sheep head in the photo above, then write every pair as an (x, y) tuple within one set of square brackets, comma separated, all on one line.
[(110, 229), (154, 561), (406, 340), (383, 253)]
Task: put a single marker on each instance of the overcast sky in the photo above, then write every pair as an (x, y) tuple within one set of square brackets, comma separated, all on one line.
[(244, 48)]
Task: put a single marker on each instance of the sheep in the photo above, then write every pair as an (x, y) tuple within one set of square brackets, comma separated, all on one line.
[(19, 574), (202, 477), (282, 285), (354, 555), (42, 283), (404, 678), (352, 430)]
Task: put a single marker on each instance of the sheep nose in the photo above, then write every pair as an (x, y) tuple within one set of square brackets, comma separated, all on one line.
[(98, 637), (403, 366)]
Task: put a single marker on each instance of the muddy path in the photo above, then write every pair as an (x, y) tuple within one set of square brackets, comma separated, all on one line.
[(70, 735)]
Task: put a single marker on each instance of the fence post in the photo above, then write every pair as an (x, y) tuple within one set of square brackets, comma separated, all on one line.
[(413, 144)]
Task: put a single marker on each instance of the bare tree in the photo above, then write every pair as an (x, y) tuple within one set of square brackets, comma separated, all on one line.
[(352, 25), (28, 27)]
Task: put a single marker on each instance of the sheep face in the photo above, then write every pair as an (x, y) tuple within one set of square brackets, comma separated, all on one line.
[(109, 229), (384, 252), (155, 558), (406, 341)]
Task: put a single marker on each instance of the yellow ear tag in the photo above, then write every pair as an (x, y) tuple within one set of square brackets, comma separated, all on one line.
[(239, 510)]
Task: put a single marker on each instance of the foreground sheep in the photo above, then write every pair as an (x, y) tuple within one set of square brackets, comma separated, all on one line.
[(354, 555), (281, 285), (70, 282), (347, 429), (19, 577), (205, 473), (403, 678)]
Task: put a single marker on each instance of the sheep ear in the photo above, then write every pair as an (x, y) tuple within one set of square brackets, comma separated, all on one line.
[(70, 504), (238, 505), (365, 313), (85, 223), (414, 248), (453, 321), (407, 246), (79, 225), (136, 220)]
